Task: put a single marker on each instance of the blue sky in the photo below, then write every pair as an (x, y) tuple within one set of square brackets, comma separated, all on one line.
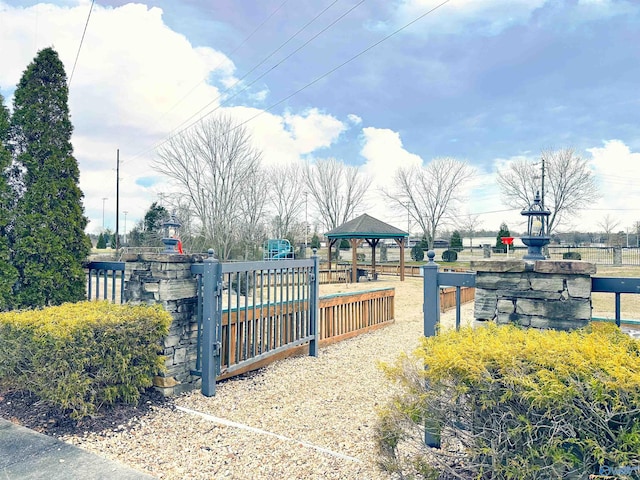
[(486, 81)]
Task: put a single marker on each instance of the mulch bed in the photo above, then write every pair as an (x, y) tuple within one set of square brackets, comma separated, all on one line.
[(24, 408)]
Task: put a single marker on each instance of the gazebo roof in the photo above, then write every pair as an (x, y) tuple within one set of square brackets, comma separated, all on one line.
[(365, 226)]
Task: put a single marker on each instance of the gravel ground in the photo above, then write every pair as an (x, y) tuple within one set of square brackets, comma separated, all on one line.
[(300, 418)]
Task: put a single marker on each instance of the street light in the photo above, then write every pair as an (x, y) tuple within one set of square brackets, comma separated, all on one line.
[(104, 199)]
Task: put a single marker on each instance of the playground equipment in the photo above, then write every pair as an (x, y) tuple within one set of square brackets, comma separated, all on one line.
[(277, 249)]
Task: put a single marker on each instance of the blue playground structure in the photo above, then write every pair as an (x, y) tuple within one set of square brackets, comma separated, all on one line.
[(277, 249)]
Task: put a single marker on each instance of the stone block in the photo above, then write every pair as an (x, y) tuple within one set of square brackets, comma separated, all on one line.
[(177, 289), (152, 286), (164, 382), (506, 306), (171, 341), (485, 304), (558, 324), (547, 283), (579, 286), (503, 282), (180, 356), (498, 266), (569, 267), (513, 318), (570, 309)]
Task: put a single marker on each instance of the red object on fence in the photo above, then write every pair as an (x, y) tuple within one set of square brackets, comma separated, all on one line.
[(507, 240)]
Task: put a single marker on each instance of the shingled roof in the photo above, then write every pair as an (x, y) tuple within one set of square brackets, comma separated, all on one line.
[(365, 226)]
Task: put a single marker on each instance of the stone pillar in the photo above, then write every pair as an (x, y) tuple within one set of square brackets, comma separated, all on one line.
[(166, 279), (486, 250), (617, 255), (541, 294)]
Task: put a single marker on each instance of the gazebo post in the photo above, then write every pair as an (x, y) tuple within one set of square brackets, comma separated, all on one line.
[(354, 260), (400, 242), (402, 260), (373, 243)]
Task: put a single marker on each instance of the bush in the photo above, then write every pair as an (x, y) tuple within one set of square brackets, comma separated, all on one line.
[(84, 355), (449, 256), (417, 253), (361, 257), (511, 403), (571, 256)]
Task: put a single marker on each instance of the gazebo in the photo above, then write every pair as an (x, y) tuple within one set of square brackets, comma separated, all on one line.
[(369, 229)]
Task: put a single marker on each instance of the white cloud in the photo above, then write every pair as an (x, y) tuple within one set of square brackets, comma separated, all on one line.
[(313, 130), (354, 119), (488, 16), (617, 170), (384, 153), (137, 81)]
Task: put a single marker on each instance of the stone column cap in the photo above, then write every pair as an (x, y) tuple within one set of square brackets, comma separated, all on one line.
[(498, 266), (574, 267)]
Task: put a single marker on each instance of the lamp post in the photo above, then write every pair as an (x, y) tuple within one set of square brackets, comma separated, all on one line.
[(170, 234), (537, 229)]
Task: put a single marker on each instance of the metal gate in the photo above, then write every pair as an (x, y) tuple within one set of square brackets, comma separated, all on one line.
[(250, 311)]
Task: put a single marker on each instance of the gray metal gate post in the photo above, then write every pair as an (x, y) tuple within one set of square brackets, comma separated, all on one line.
[(431, 312), (212, 318), (431, 305), (314, 305)]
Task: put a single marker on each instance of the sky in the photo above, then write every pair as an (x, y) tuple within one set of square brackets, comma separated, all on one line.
[(375, 83)]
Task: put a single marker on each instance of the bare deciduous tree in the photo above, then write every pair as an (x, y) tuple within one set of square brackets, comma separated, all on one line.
[(608, 224), (431, 193), (469, 224), (569, 184), (286, 198), (212, 165), (337, 190)]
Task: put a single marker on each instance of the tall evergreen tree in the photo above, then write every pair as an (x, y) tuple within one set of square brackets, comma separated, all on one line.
[(503, 232), (8, 273), (50, 244)]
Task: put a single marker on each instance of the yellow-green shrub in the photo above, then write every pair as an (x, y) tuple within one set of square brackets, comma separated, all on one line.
[(515, 404), (84, 355)]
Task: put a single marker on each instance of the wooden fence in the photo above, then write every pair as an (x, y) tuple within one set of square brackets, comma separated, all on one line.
[(342, 316), (448, 297)]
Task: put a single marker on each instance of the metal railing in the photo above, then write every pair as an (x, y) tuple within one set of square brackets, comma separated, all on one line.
[(617, 286), (434, 280), (105, 275)]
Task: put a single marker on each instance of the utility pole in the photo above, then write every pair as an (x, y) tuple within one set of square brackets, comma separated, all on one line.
[(306, 224), (125, 226), (117, 199), (104, 199), (542, 199)]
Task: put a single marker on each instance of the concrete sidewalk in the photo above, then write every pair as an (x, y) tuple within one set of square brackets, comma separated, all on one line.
[(26, 454)]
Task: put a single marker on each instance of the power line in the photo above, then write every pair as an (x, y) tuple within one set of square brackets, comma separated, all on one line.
[(255, 30), (267, 58), (80, 46), (176, 131), (321, 77)]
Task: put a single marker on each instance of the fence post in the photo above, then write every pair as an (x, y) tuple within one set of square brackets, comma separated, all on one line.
[(431, 305), (431, 312), (314, 304), (210, 322)]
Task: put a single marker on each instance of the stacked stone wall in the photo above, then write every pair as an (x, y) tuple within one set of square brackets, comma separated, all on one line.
[(166, 279), (541, 294)]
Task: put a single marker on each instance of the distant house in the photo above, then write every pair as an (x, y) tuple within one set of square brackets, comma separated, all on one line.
[(439, 243)]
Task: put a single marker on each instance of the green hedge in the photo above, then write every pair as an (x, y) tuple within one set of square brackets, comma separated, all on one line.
[(571, 256), (84, 355), (511, 403)]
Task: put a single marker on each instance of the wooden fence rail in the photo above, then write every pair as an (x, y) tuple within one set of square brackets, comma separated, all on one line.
[(448, 297), (342, 316)]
